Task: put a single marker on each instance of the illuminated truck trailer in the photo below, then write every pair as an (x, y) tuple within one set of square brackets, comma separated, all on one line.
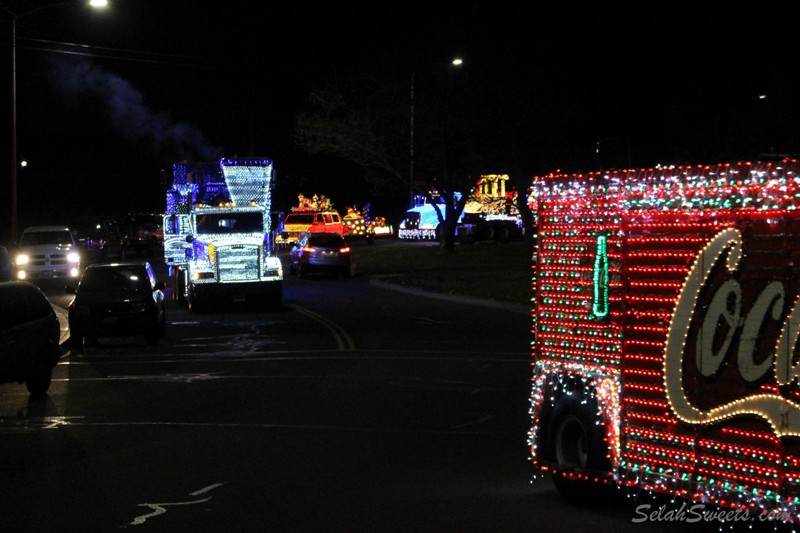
[(666, 316)]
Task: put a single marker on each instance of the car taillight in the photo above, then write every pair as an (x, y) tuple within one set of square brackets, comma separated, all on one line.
[(309, 249), (345, 250)]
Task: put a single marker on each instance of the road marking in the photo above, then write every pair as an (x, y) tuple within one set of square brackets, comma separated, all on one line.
[(343, 340), (160, 508)]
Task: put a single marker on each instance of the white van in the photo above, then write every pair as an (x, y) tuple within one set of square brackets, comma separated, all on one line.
[(47, 252)]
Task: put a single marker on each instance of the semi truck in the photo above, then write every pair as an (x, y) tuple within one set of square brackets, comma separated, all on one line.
[(665, 327), (217, 234), (421, 222)]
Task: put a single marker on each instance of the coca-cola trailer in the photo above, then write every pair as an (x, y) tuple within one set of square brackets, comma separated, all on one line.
[(666, 316)]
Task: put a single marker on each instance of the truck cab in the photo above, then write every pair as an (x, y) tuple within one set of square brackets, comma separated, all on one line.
[(301, 220)]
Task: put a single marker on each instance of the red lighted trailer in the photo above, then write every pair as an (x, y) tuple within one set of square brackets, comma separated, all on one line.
[(666, 318)]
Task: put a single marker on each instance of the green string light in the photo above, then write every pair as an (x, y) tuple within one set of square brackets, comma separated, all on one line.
[(600, 301)]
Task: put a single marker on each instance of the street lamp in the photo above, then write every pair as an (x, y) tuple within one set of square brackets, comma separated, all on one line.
[(456, 62), (95, 4)]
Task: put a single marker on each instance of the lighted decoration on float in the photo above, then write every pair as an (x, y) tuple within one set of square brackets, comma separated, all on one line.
[(670, 293)]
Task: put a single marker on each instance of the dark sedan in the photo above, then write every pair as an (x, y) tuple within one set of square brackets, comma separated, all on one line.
[(320, 252), (117, 300)]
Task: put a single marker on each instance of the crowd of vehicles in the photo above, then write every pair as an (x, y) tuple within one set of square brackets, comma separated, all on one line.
[(666, 321), (665, 312), (133, 235)]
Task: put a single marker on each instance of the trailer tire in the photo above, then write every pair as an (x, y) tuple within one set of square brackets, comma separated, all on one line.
[(579, 452), (179, 287), (193, 304)]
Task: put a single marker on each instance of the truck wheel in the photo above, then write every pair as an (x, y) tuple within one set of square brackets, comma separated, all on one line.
[(579, 451), (193, 304), (179, 287)]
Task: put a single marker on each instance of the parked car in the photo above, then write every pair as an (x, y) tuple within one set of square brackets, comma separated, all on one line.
[(100, 238), (320, 252), (141, 234), (47, 252), (117, 300), (29, 336)]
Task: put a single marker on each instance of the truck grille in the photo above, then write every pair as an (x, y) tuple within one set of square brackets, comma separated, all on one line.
[(49, 259), (238, 262)]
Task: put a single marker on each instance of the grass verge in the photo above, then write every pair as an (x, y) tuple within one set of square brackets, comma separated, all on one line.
[(496, 271)]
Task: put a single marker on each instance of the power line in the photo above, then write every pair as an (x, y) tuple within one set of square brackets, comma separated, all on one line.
[(121, 54)]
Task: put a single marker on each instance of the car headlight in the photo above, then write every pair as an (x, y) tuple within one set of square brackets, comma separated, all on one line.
[(74, 257), (22, 259)]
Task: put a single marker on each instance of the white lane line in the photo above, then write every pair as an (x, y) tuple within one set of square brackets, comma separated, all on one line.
[(160, 508)]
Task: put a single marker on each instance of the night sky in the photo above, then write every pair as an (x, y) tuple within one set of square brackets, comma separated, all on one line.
[(166, 80)]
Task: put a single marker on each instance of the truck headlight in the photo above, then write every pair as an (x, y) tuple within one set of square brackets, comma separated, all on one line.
[(74, 257), (22, 259)]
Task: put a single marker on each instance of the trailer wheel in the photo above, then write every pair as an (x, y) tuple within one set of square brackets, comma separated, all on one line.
[(579, 452), (179, 287), (193, 304)]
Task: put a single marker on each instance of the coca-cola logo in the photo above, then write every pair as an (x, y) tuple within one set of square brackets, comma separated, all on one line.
[(727, 318)]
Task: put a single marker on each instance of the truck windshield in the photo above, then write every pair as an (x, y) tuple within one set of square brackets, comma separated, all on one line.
[(299, 219), (230, 223), (36, 238)]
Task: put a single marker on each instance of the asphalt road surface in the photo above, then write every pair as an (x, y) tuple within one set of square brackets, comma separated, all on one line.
[(352, 408)]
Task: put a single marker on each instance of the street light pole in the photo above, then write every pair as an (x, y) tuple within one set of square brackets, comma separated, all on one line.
[(456, 62), (13, 129), (95, 4), (411, 150)]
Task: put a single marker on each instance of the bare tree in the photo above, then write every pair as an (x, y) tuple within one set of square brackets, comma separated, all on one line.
[(365, 120)]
